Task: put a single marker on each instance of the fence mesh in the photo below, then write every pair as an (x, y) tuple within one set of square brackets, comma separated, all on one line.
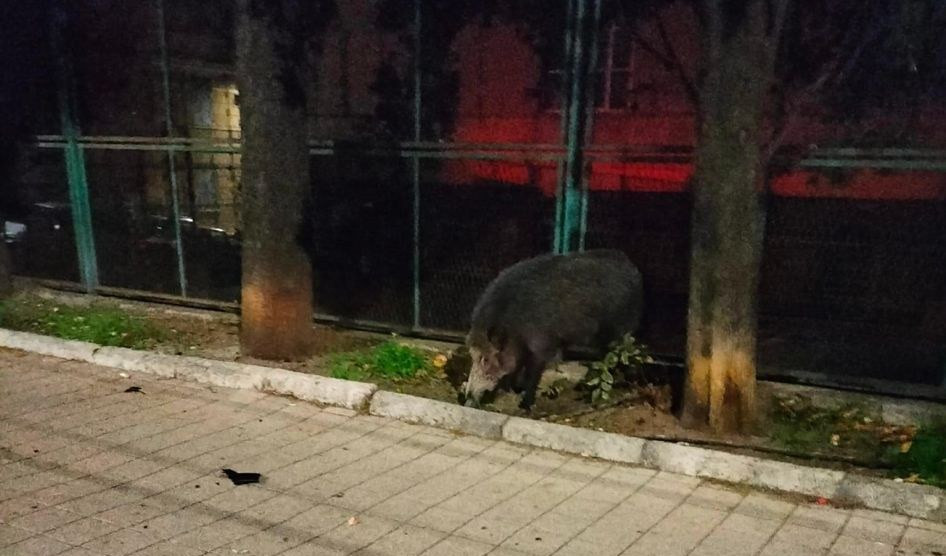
[(412, 214), (42, 238), (361, 237), (856, 286), (468, 235)]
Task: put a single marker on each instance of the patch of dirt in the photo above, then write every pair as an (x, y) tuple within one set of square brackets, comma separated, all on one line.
[(213, 339), (793, 431), (219, 338), (848, 440), (636, 419)]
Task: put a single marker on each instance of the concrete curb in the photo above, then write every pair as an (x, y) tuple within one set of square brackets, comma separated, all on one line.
[(587, 443), (903, 498), (324, 390), (320, 389), (439, 414), (918, 501), (45, 345)]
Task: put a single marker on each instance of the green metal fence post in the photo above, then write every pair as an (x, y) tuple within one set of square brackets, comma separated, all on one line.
[(175, 201), (565, 98), (415, 160), (75, 158), (589, 124), (571, 213)]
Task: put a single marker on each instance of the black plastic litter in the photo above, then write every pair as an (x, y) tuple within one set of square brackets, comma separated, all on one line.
[(133, 389), (242, 478)]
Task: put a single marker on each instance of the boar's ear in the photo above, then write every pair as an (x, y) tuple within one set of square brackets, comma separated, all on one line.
[(508, 361), (497, 338), (491, 334)]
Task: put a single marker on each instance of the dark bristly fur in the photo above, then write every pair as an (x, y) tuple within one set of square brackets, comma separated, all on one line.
[(539, 307)]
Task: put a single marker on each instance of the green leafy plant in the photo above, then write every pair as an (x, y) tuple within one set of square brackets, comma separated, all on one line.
[(390, 360), (625, 356), (106, 326)]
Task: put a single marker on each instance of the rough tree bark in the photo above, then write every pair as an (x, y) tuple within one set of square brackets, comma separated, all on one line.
[(740, 40), (277, 276), (6, 278)]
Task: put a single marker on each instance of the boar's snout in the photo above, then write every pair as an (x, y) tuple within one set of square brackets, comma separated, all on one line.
[(476, 388)]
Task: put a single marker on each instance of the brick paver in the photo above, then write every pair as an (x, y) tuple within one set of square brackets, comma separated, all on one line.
[(88, 469)]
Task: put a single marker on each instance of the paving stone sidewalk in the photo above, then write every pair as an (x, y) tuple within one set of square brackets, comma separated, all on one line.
[(89, 469)]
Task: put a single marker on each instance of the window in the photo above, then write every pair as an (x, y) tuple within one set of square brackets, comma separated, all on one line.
[(613, 72)]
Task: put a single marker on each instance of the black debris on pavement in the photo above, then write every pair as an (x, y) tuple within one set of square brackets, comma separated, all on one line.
[(241, 478)]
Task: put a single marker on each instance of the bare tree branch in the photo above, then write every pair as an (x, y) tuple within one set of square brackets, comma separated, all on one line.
[(832, 72), (661, 57), (688, 83)]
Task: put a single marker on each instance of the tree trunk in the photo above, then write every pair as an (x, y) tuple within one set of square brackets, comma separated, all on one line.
[(728, 218), (6, 269), (277, 276)]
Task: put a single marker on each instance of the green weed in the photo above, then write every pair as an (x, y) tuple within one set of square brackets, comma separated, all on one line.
[(102, 325), (801, 427), (389, 360), (925, 460)]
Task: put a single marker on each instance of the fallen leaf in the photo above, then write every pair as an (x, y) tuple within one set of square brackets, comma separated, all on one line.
[(913, 478), (822, 501), (905, 446), (440, 361), (353, 520)]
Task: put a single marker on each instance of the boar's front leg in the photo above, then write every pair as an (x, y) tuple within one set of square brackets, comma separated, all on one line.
[(532, 369), (531, 375)]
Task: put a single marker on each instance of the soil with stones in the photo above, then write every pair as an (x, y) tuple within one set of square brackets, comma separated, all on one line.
[(849, 438)]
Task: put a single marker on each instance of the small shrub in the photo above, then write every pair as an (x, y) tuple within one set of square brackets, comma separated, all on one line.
[(389, 360), (625, 356)]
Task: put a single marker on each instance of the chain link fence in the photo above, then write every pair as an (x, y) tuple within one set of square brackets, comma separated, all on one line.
[(414, 211)]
